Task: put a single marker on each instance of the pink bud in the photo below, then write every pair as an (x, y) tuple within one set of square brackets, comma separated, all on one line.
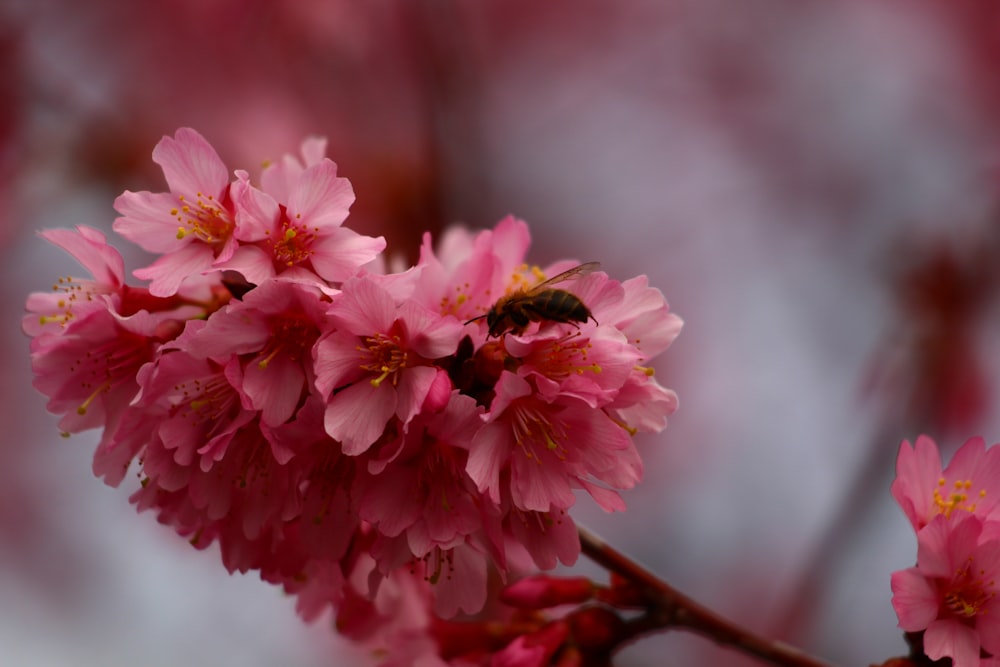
[(542, 592)]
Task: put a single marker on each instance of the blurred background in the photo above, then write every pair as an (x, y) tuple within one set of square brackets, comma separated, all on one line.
[(814, 187)]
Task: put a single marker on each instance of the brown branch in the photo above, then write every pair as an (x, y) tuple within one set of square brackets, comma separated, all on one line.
[(676, 610)]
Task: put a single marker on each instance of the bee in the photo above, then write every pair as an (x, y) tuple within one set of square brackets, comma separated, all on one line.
[(513, 313)]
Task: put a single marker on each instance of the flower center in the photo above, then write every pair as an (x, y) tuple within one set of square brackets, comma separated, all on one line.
[(205, 219), (207, 401), (532, 426), (384, 355), (969, 593), (69, 294), (108, 365), (564, 357), (294, 243), (958, 498), (291, 336)]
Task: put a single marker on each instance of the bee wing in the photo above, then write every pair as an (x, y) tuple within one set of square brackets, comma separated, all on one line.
[(580, 270)]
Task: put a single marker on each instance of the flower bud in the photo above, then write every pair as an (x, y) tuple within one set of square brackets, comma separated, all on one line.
[(542, 592)]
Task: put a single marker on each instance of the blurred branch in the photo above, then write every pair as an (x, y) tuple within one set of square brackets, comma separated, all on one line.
[(673, 609)]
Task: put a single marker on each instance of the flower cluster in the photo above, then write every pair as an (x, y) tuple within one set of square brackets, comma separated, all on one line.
[(354, 435), (951, 594)]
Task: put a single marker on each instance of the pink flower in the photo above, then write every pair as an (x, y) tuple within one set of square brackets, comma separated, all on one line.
[(422, 489), (73, 298), (295, 222), (272, 330), (354, 436), (468, 273), (192, 225), (969, 484), (199, 406), (377, 364), (89, 372), (535, 649), (549, 448), (951, 594), (549, 538)]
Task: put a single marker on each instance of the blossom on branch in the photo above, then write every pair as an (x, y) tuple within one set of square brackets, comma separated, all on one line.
[(951, 594), (356, 437)]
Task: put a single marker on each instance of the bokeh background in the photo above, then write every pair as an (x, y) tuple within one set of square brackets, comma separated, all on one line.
[(814, 186)]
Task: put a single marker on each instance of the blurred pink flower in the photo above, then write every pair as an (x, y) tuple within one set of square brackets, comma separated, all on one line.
[(969, 484), (951, 593)]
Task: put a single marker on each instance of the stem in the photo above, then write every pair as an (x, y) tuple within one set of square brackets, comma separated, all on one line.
[(674, 609)]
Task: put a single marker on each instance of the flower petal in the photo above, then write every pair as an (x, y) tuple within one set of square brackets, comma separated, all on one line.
[(949, 638), (190, 165), (357, 415)]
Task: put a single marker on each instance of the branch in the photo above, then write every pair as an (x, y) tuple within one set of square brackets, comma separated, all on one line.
[(674, 609)]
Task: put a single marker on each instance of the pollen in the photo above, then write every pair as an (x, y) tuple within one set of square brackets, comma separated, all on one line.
[(567, 356), (969, 594), (532, 427), (203, 219), (73, 293), (101, 369), (293, 245), (959, 498), (383, 354), (291, 335), (452, 306), (206, 401)]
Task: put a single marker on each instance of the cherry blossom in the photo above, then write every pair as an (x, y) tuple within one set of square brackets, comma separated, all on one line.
[(353, 435), (969, 484), (192, 225), (951, 593)]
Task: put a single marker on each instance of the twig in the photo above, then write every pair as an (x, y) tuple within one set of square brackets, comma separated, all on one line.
[(676, 610)]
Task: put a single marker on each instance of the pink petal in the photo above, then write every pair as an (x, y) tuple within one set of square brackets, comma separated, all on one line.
[(256, 212), (608, 500), (539, 488), (511, 239), (412, 390), (949, 638), (89, 247), (389, 504), (488, 454), (917, 473), (550, 538), (363, 308), (357, 415), (313, 150), (250, 262), (430, 335), (168, 272), (944, 544), (228, 332), (988, 627), (338, 253), (320, 198), (148, 222), (967, 461), (337, 361), (191, 165), (274, 389), (465, 587), (914, 599)]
